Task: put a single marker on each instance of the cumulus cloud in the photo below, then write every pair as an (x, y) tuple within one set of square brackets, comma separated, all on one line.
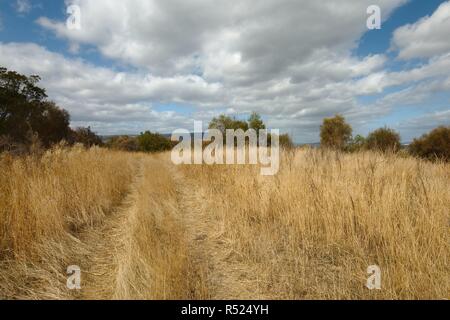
[(290, 60), (100, 95), (241, 42), (78, 79), (107, 99), (425, 38), (437, 68), (427, 122)]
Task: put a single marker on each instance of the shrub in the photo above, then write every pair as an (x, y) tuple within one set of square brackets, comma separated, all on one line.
[(286, 142), (434, 145), (25, 111), (153, 142), (86, 137), (335, 133), (357, 143), (124, 143), (255, 122), (224, 122), (383, 139)]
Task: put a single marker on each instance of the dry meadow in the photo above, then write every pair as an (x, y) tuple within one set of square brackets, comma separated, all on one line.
[(140, 227)]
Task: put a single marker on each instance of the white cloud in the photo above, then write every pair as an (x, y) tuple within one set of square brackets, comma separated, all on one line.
[(425, 38), (76, 78), (100, 95), (23, 6), (114, 102), (290, 60), (286, 58), (238, 42), (277, 57), (417, 126)]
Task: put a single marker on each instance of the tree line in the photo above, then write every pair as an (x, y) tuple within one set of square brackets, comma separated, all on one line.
[(336, 133), (154, 142), (29, 121)]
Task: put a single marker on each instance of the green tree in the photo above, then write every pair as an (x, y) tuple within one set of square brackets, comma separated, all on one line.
[(335, 133), (255, 122), (221, 123), (153, 142), (52, 124), (383, 139), (357, 143), (286, 141), (25, 112), (224, 122), (86, 137), (434, 145)]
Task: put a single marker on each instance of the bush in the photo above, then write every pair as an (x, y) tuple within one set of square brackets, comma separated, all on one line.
[(358, 143), (286, 142), (383, 139), (255, 122), (25, 111), (153, 142), (124, 143), (335, 133), (434, 145), (224, 123), (86, 137)]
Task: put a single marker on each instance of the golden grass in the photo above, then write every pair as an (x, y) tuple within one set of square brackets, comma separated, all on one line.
[(114, 214), (65, 190), (154, 262), (45, 203), (141, 228), (312, 231)]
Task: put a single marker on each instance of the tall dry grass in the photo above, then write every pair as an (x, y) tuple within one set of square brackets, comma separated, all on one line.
[(45, 203), (311, 231), (155, 262), (113, 214), (141, 228)]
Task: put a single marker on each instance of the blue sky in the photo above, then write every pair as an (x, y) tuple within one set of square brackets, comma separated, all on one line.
[(22, 27), (158, 65), (378, 42)]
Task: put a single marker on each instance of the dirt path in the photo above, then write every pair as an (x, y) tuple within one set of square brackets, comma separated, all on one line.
[(99, 262), (226, 276), (216, 269)]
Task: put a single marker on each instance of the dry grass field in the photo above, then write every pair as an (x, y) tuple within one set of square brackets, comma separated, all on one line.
[(141, 228)]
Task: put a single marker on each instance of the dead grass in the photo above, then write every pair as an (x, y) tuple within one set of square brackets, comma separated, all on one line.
[(312, 230), (45, 203), (141, 228), (114, 214), (64, 191), (155, 261)]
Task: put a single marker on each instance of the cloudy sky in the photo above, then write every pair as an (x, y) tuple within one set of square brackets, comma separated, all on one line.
[(160, 64)]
